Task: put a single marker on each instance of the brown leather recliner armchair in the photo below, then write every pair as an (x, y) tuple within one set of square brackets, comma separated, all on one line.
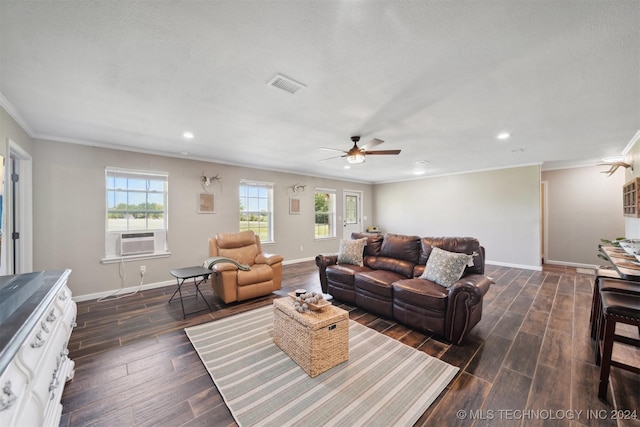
[(232, 253)]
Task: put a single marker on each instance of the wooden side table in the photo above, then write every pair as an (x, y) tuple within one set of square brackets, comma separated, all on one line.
[(182, 274)]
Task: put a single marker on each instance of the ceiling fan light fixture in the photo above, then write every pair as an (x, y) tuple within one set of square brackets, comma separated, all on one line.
[(355, 158)]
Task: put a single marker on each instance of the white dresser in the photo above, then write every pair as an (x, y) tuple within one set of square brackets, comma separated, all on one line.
[(37, 316)]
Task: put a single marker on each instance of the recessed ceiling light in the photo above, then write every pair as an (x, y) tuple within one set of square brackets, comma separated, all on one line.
[(188, 135), (503, 135), (422, 162), (419, 172), (184, 153), (347, 167)]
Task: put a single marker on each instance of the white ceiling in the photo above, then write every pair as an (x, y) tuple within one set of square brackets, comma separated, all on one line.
[(437, 79)]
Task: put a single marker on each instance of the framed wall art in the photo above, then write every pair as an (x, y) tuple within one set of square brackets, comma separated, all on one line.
[(206, 203), (294, 206)]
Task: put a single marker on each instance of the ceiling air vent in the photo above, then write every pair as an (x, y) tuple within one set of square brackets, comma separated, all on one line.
[(286, 84)]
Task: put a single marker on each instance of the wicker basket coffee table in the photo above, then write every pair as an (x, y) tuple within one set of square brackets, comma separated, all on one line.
[(317, 341)]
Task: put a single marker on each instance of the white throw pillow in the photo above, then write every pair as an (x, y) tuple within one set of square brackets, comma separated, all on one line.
[(444, 267)]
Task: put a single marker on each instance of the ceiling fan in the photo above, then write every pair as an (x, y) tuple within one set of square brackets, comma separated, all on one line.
[(356, 154)]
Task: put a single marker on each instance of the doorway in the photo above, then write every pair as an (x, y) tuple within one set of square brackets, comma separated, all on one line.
[(543, 221), (19, 214), (352, 212)]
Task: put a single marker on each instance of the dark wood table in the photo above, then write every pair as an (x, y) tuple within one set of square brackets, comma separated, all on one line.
[(626, 265), (182, 274)]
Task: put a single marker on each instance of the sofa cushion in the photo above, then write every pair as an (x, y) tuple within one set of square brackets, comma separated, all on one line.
[(421, 293), (374, 242), (340, 281), (244, 254), (400, 266), (467, 245), (374, 291), (344, 273), (377, 282), (401, 247), (258, 273), (421, 304), (399, 254), (444, 267), (351, 251)]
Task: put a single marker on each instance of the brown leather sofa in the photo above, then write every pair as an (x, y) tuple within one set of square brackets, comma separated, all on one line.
[(389, 284), (231, 254)]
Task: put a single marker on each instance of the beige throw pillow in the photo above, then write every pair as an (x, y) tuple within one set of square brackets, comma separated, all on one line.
[(351, 251), (444, 267)]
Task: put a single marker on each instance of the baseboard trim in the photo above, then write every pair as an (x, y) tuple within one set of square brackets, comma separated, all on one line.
[(296, 261), (521, 266), (122, 291), (571, 264)]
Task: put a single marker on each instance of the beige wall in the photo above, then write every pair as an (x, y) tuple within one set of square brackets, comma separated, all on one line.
[(501, 208), (584, 206), (11, 132), (69, 219)]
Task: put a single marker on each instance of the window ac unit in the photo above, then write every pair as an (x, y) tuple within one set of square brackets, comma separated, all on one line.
[(137, 243)]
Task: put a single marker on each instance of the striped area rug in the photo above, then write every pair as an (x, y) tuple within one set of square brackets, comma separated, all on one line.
[(384, 383)]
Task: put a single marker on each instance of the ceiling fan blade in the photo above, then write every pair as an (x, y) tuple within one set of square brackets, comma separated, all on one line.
[(373, 143), (331, 158), (330, 149), (382, 152)]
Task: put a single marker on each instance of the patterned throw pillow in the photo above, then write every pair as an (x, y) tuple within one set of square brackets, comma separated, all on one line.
[(444, 267), (350, 251)]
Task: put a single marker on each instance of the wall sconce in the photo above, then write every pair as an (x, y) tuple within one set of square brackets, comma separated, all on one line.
[(296, 188)]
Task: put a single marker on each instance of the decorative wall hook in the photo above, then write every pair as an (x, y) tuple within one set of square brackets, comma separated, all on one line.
[(613, 166), (207, 180), (296, 188)]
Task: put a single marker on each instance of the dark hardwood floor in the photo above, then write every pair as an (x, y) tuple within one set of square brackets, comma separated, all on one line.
[(530, 360)]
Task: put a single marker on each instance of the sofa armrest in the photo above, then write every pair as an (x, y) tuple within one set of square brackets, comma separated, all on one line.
[(269, 259), (465, 305), (476, 285), (323, 261), (223, 266)]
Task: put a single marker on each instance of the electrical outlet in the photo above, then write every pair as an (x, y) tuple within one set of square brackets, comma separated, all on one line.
[(143, 269), (301, 249)]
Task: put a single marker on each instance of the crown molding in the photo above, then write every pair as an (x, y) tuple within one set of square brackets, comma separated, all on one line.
[(631, 143), (10, 109)]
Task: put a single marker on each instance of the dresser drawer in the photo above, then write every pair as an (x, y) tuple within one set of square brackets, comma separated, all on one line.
[(13, 394)]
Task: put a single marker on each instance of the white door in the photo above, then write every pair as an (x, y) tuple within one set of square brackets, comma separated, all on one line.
[(352, 213)]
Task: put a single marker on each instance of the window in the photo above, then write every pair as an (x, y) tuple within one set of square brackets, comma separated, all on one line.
[(136, 201), (256, 209), (351, 209), (136, 214), (325, 207)]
